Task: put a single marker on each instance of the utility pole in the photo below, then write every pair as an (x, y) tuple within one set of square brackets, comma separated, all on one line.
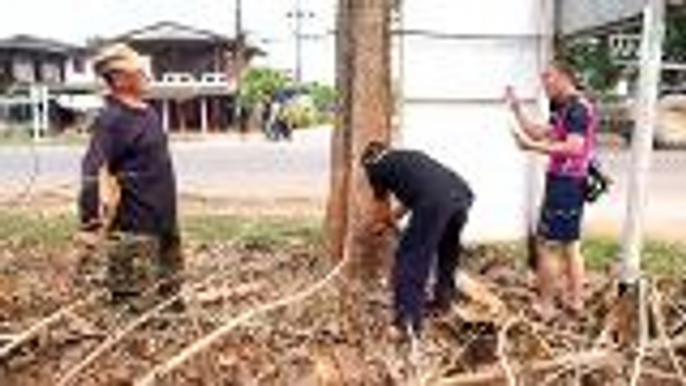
[(238, 54), (649, 79), (632, 317), (299, 15)]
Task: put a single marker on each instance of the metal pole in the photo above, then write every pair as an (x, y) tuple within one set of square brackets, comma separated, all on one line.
[(646, 103), (299, 15), (298, 42), (165, 115), (238, 60), (203, 115), (45, 109), (34, 91)]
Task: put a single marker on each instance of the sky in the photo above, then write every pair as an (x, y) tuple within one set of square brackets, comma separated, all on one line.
[(265, 21)]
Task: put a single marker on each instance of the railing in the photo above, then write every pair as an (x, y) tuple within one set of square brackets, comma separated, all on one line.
[(185, 78)]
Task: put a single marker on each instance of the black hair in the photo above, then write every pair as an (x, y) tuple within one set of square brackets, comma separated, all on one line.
[(372, 151)]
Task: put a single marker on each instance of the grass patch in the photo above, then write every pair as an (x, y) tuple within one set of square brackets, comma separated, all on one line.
[(659, 258), (256, 232), (33, 229), (56, 230)]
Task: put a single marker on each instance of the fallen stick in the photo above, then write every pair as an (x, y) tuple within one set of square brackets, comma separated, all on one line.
[(656, 303), (660, 374), (205, 342), (34, 330), (7, 337), (112, 341), (502, 354), (123, 333), (643, 333), (593, 357)]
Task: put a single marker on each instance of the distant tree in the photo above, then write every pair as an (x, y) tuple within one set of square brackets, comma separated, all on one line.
[(593, 60), (600, 70), (675, 39), (323, 96), (259, 83)]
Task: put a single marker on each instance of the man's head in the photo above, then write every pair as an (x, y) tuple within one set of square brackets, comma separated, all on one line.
[(372, 152), (122, 69), (559, 80)]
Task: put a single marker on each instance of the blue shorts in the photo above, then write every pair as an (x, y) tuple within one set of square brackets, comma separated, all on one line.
[(562, 210)]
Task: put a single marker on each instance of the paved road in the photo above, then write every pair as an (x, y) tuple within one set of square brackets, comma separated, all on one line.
[(251, 168), (666, 204), (225, 166)]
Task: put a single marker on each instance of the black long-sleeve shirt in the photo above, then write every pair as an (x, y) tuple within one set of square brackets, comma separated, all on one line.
[(416, 179), (133, 146)]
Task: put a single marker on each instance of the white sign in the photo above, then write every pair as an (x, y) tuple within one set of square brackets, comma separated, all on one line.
[(458, 56)]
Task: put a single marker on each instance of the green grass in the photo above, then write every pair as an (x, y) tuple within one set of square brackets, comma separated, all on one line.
[(35, 229), (660, 258), (57, 230), (255, 232)]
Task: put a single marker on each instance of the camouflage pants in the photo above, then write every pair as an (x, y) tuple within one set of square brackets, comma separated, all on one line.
[(139, 264)]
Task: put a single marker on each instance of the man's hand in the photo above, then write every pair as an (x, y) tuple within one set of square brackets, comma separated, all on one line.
[(385, 221), (522, 140), (381, 227)]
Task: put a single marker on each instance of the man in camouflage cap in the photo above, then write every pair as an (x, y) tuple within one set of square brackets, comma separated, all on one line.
[(128, 191)]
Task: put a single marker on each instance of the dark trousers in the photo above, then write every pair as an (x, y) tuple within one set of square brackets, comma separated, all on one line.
[(136, 262), (433, 230)]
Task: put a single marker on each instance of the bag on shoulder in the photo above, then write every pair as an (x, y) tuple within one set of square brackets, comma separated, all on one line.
[(597, 182)]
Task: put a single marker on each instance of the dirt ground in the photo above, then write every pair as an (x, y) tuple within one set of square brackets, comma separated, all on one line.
[(333, 336)]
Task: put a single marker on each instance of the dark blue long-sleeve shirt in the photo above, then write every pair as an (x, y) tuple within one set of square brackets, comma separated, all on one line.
[(417, 179), (133, 146)]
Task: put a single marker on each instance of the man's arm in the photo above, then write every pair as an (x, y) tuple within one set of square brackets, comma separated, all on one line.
[(533, 130), (94, 167), (573, 145), (576, 121)]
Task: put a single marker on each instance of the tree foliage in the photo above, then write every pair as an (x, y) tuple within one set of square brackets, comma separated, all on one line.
[(600, 70), (675, 39), (259, 83)]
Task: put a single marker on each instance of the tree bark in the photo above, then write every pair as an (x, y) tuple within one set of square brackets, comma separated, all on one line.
[(364, 86), (336, 218), (364, 110)]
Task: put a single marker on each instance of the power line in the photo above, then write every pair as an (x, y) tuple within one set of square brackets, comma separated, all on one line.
[(299, 15)]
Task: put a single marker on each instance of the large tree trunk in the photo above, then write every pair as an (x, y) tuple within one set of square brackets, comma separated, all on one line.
[(363, 77), (336, 217), (363, 82)]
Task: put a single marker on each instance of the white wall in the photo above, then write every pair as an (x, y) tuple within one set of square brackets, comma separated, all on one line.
[(74, 76), (458, 57)]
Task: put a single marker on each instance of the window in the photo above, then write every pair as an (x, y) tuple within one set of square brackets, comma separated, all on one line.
[(51, 72), (23, 71), (79, 65)]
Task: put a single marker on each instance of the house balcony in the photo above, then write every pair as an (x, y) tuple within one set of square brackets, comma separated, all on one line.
[(170, 85)]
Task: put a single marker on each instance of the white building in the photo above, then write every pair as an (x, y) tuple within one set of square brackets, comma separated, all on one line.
[(454, 59)]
